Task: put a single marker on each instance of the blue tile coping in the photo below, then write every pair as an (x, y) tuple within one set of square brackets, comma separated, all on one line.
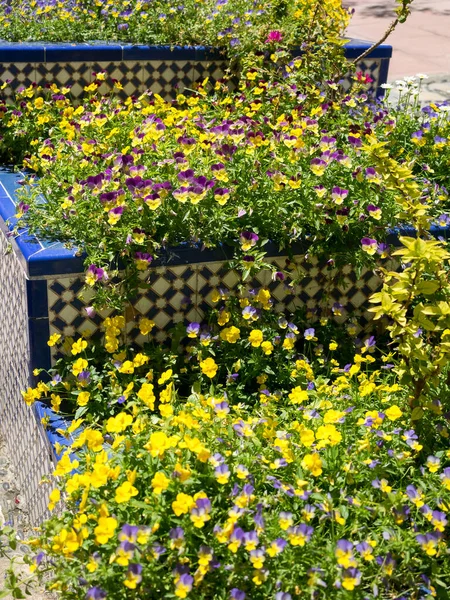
[(118, 52), (55, 429)]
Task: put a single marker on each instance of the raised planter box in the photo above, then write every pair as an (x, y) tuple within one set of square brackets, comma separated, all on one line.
[(39, 295), (163, 69), (40, 284)]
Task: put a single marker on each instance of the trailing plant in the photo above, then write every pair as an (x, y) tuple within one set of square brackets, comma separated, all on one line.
[(417, 301)]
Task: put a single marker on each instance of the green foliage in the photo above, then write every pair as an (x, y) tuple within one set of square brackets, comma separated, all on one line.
[(417, 300)]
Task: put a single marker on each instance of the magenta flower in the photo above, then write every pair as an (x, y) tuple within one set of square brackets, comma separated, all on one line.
[(274, 36)]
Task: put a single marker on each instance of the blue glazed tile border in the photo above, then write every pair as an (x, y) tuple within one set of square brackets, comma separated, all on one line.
[(355, 48), (39, 331), (41, 257), (382, 77), (83, 52), (11, 52), (55, 422), (37, 298)]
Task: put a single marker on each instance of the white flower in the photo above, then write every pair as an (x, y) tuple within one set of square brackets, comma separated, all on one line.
[(409, 79), (421, 76), (386, 86)]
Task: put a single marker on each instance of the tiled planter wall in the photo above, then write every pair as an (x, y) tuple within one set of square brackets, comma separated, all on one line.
[(40, 282), (40, 286), (164, 70)]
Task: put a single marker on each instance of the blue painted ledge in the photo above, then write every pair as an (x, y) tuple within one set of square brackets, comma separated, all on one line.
[(55, 429), (41, 258), (43, 52)]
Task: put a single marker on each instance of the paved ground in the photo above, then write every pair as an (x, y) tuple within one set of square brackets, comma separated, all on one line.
[(11, 513), (421, 44)]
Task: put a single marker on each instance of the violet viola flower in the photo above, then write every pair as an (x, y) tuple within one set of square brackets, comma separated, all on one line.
[(248, 240), (95, 274), (443, 220), (277, 546), (344, 554), (429, 542), (221, 195), (369, 245), (355, 141), (318, 166), (95, 593), (374, 211), (383, 250), (300, 534), (222, 473), (351, 578), (84, 377), (143, 260), (370, 343), (134, 575), (177, 537), (184, 585), (283, 596), (417, 138), (236, 594), (338, 195), (193, 330), (249, 312)]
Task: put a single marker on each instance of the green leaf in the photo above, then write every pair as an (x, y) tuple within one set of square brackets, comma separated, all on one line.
[(417, 413), (428, 287), (81, 410)]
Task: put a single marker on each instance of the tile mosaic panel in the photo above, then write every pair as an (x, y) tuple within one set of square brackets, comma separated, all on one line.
[(214, 70), (167, 78), (183, 294), (28, 448), (66, 309), (65, 74), (371, 67), (20, 75), (129, 73)]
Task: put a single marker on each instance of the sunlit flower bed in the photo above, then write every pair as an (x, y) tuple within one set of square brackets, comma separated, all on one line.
[(237, 25), (275, 476), (258, 455), (266, 163)]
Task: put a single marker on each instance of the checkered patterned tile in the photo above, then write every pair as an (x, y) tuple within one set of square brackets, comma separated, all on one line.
[(66, 309), (129, 73), (167, 78), (371, 67), (182, 294), (20, 75), (75, 75), (214, 70), (28, 449)]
